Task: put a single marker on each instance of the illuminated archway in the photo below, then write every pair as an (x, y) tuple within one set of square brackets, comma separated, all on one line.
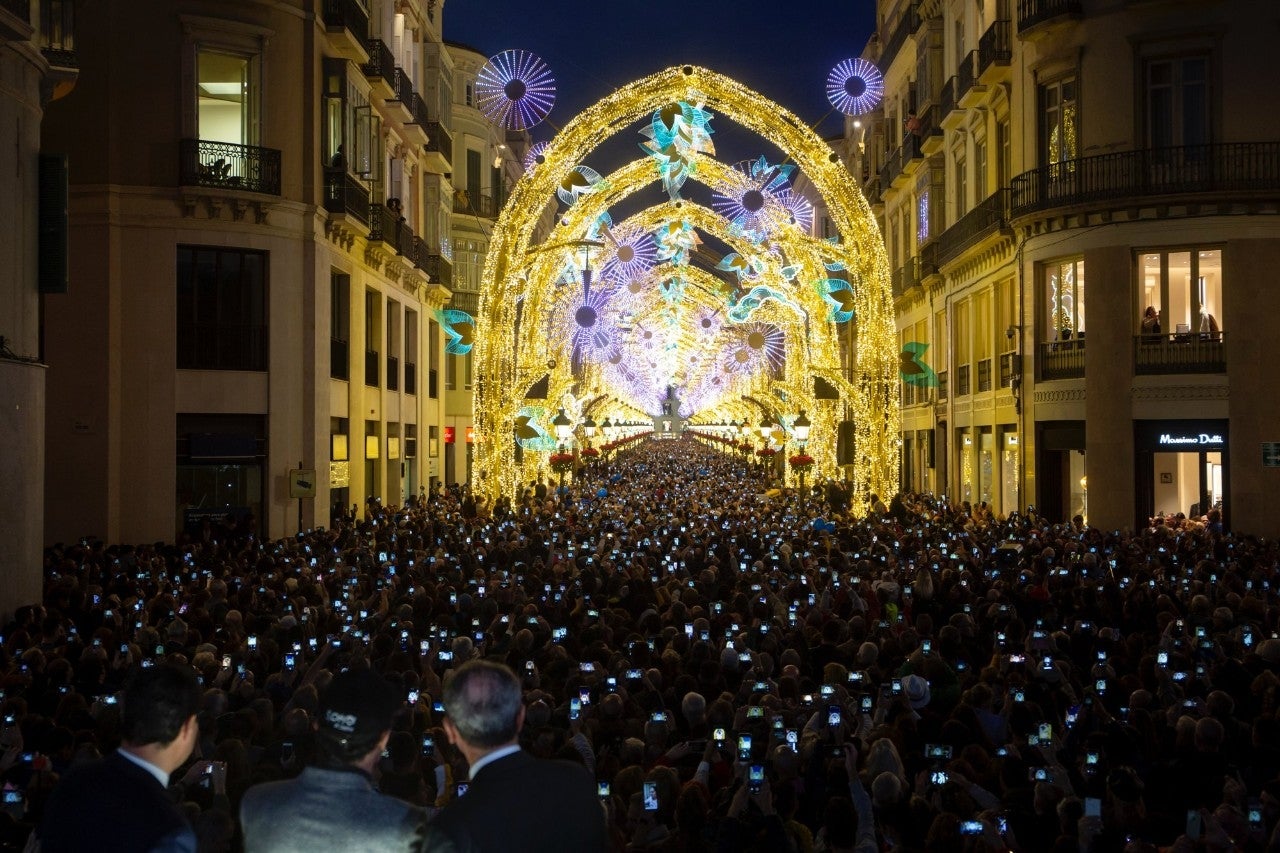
[(780, 313)]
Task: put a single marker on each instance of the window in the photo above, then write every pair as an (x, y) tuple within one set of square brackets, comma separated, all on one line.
[(433, 358), (473, 178), (1058, 138), (470, 94), (1177, 101), (1004, 153), (227, 96), (468, 264), (980, 167), (451, 371), (340, 325), (962, 186), (1007, 315), (410, 352), (222, 309), (372, 329), (352, 130), (1064, 301), (1185, 289)]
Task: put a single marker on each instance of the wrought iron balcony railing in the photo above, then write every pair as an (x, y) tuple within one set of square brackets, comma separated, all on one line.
[(996, 46), (381, 64), (1032, 13), (988, 216), (474, 204), (1231, 167), (347, 15), (905, 26), (438, 139), (1180, 352), (439, 268), (966, 75), (343, 194), (203, 163), (949, 100)]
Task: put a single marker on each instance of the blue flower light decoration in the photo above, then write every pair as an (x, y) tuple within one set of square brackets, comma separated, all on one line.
[(855, 87), (515, 89)]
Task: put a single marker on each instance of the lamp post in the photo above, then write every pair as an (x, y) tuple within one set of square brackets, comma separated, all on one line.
[(801, 429), (764, 429), (564, 431), (589, 429), (606, 429)]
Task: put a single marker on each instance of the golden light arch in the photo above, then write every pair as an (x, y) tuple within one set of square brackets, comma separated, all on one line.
[(513, 351)]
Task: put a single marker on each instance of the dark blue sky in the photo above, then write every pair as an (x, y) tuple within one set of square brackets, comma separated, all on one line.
[(783, 50)]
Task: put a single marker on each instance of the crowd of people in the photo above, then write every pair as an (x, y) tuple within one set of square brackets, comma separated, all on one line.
[(734, 670)]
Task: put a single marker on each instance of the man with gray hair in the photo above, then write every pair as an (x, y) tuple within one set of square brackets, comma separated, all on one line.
[(515, 802)]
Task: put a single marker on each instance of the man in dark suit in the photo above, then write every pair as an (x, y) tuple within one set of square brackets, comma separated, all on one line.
[(515, 802), (121, 803)]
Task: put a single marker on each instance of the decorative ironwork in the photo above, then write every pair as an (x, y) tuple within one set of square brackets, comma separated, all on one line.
[(948, 100), (1243, 167), (345, 195), (346, 15), (988, 216), (1181, 352), (1032, 13), (381, 64), (891, 169), (438, 139), (966, 75), (229, 166), (438, 267), (475, 204), (996, 46), (906, 25)]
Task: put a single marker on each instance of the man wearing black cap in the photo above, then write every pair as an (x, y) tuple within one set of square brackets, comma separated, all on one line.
[(334, 806), (516, 803)]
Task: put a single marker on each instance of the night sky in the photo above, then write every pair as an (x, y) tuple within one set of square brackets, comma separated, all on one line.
[(783, 50)]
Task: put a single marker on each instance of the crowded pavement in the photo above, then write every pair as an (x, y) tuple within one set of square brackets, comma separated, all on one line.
[(737, 668)]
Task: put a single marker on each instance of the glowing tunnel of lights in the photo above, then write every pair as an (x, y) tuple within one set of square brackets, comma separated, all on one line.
[(521, 285)]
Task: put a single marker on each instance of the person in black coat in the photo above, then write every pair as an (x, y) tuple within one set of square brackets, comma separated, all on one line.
[(515, 802), (121, 803)]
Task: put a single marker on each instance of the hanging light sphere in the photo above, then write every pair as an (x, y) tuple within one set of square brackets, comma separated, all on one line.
[(855, 87)]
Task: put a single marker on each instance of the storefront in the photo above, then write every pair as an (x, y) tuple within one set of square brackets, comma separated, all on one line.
[(1181, 467)]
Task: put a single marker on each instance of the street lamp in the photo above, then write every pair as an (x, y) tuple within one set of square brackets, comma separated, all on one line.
[(589, 428), (564, 431), (801, 428)]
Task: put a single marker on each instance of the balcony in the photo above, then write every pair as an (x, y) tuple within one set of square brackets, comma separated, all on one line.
[(438, 268), (339, 353), (949, 113), (380, 69), (228, 166), (466, 300), (989, 216), (1181, 352), (1127, 177), (371, 368), (57, 34), (984, 375), (1062, 359), (410, 378), (474, 204), (400, 106), (969, 92), (1037, 17), (347, 24), (439, 149), (1010, 367), (927, 261), (871, 191), (912, 156), (891, 171), (416, 130), (930, 131), (995, 51), (345, 196), (393, 373), (905, 277), (942, 385), (384, 226), (905, 26), (962, 380)]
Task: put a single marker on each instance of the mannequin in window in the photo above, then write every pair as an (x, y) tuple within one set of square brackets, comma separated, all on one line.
[(1151, 321)]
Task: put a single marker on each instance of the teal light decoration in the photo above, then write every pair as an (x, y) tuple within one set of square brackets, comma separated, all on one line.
[(530, 431), (913, 368), (743, 268), (459, 328), (580, 181), (838, 294), (751, 301), (676, 239), (676, 134)]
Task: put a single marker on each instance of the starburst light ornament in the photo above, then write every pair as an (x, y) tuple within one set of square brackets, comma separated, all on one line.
[(750, 198), (535, 156), (515, 89), (855, 87)]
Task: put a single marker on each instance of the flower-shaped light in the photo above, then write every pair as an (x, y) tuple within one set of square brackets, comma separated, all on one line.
[(855, 87), (629, 255), (580, 181), (757, 346), (801, 209), (515, 89), (535, 156), (749, 199)]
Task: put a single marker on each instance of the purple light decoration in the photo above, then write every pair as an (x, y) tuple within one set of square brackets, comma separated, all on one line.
[(634, 254), (515, 89), (535, 156), (800, 207), (855, 87), (750, 199), (759, 345), (588, 327)]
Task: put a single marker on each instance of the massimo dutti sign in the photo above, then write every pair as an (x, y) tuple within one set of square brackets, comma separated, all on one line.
[(1179, 436)]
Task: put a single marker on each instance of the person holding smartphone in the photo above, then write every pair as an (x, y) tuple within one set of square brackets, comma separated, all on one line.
[(515, 802)]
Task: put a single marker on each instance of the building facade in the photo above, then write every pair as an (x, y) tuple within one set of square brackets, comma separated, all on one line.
[(257, 259), (1031, 152), (38, 65)]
